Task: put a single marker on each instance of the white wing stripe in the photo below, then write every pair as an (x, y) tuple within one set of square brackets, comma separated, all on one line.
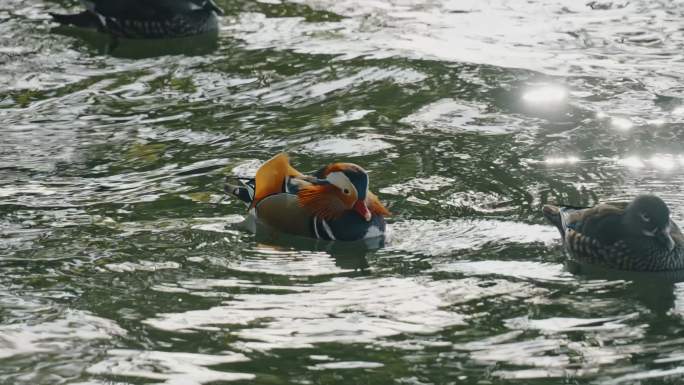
[(328, 230), (315, 219)]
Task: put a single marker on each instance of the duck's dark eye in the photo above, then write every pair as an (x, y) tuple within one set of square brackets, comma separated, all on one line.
[(645, 217), (345, 191)]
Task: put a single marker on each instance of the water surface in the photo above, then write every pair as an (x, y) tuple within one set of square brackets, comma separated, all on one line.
[(122, 262)]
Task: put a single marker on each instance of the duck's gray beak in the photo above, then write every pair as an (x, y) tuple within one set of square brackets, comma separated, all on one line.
[(663, 236)]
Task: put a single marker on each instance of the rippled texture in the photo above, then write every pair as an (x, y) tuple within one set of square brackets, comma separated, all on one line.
[(123, 262)]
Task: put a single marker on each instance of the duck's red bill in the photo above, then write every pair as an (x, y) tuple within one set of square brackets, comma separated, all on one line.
[(361, 208)]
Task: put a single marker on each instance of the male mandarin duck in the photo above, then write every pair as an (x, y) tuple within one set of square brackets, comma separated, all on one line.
[(332, 204), (638, 236), (146, 19)]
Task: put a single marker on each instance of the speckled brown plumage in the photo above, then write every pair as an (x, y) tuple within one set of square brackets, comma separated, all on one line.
[(617, 236)]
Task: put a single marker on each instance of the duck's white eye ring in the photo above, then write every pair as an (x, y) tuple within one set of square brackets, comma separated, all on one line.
[(645, 217)]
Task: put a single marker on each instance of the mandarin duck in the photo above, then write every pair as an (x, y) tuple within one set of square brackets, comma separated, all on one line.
[(638, 236), (332, 204), (146, 19)]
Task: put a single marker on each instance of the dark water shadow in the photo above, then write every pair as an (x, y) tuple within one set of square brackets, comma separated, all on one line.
[(350, 255), (653, 289), (104, 44)]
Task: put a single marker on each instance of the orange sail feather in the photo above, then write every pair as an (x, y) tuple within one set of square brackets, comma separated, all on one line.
[(270, 176)]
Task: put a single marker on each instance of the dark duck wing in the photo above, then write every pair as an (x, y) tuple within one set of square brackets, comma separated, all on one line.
[(604, 235), (589, 234), (146, 18)]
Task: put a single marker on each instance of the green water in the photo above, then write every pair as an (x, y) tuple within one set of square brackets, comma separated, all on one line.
[(122, 261)]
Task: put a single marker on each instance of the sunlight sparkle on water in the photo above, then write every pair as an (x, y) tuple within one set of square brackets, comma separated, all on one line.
[(622, 124), (678, 111), (632, 161), (562, 160), (545, 95), (663, 162)]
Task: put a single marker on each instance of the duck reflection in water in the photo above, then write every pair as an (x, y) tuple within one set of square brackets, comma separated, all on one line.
[(331, 210), (347, 255)]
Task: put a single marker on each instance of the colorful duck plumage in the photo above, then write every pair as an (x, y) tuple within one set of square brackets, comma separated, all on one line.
[(332, 204), (638, 236), (146, 19)]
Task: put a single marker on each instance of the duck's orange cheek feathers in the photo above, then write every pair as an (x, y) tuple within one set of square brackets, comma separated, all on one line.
[(322, 201), (376, 207), (329, 203)]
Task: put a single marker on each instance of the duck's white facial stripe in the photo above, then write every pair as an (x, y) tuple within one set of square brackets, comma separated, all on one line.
[(651, 233), (341, 181)]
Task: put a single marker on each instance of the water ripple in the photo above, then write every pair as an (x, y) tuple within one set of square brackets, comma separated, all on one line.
[(123, 260), (431, 237), (344, 311), (171, 367)]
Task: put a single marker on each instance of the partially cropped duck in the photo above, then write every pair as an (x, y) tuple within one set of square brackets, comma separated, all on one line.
[(638, 236), (146, 19), (332, 204)]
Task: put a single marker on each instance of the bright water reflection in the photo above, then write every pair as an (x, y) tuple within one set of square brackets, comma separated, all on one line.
[(122, 261), (545, 96)]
